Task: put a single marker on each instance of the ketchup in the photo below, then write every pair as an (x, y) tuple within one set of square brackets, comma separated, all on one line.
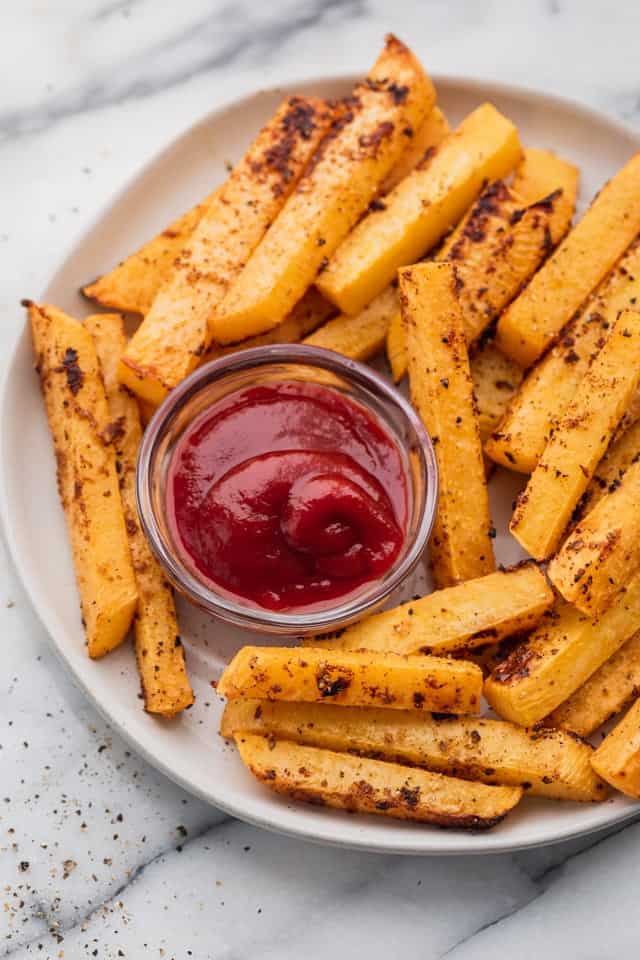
[(287, 495)]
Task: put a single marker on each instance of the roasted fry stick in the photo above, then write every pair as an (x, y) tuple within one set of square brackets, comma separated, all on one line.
[(422, 143), (175, 332), (159, 652), (371, 786), (621, 453), (518, 442), (353, 678), (551, 762), (333, 194), (442, 392), (76, 406), (469, 615), (421, 209), (564, 650), (580, 440), (586, 255)]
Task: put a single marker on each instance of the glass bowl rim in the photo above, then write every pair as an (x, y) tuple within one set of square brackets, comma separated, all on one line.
[(331, 616)]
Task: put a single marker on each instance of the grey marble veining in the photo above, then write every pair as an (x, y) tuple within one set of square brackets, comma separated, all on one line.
[(99, 854)]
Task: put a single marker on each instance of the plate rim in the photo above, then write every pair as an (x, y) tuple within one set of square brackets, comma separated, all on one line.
[(458, 842)]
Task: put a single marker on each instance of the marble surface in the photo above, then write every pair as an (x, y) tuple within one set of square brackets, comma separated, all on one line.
[(100, 856)]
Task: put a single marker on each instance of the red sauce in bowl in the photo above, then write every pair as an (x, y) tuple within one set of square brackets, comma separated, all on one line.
[(287, 495)]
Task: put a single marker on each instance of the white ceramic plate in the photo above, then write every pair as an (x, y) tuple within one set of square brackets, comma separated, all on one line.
[(189, 750)]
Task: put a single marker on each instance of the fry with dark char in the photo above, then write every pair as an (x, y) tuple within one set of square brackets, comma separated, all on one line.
[(564, 650), (371, 786), (442, 392), (519, 440), (551, 763), (418, 213), (332, 195), (466, 616), (80, 425), (159, 653), (175, 332), (585, 256), (353, 678), (579, 442)]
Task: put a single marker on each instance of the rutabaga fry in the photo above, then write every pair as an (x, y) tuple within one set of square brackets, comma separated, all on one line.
[(551, 763), (585, 256), (518, 442), (469, 615), (604, 694), (418, 213), (617, 759), (353, 678), (159, 653), (175, 332), (564, 650), (603, 550), (442, 393), (500, 243), (80, 426), (372, 786), (335, 191), (554, 489)]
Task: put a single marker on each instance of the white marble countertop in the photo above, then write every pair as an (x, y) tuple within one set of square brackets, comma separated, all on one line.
[(100, 856)]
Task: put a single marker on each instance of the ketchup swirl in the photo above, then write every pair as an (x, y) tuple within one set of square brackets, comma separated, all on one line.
[(288, 495)]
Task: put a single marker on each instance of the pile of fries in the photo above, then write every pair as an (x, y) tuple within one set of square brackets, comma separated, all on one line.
[(355, 226)]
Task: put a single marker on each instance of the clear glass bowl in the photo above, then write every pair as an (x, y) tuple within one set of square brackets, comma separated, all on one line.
[(237, 371)]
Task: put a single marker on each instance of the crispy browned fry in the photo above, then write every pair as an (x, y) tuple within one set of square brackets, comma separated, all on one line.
[(466, 616), (371, 786), (500, 243), (159, 653), (585, 256), (334, 193), (134, 283), (353, 678), (603, 550), (551, 763), (518, 442), (175, 333), (544, 509), (604, 694), (79, 421), (421, 209), (442, 392), (617, 759), (561, 653)]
